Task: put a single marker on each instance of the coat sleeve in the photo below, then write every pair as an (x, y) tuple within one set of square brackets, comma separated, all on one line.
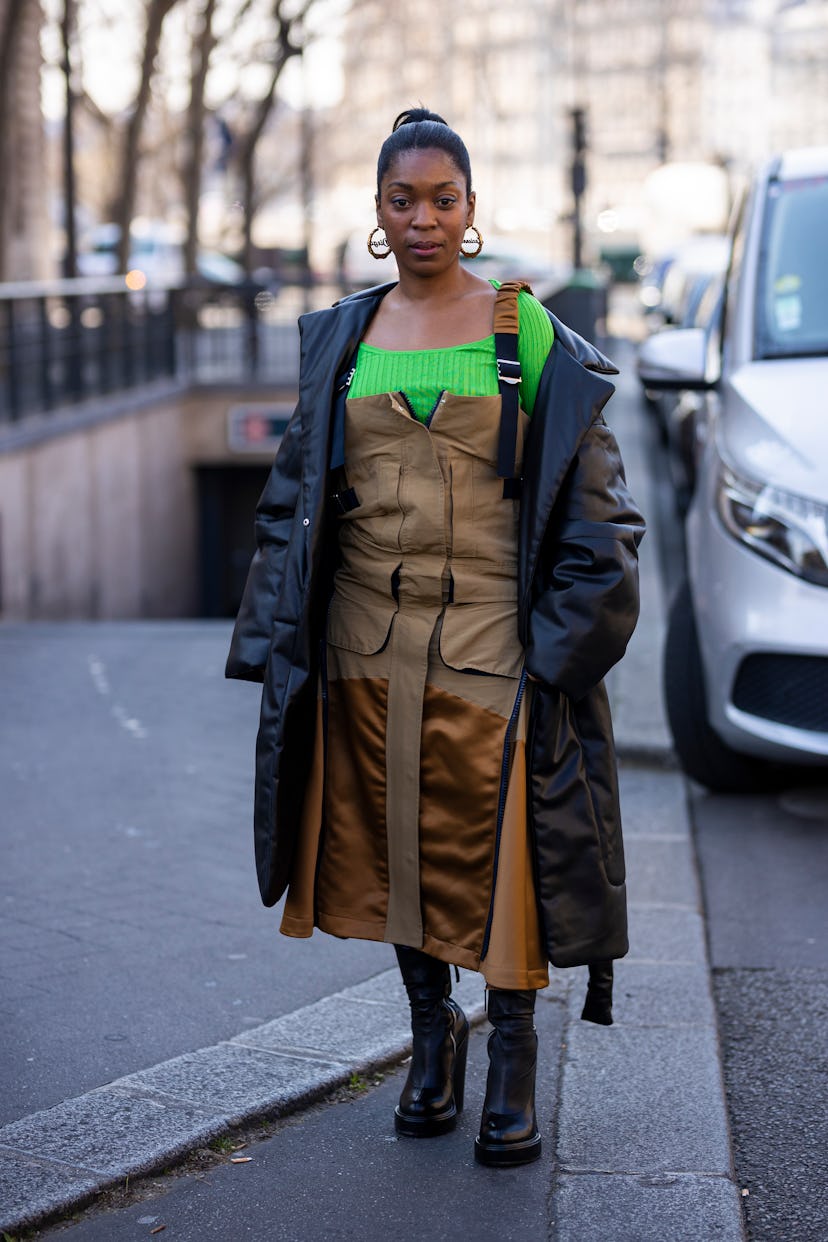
[(274, 521), (585, 594)]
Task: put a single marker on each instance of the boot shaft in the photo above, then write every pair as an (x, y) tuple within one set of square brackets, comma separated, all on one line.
[(509, 1131), (426, 979)]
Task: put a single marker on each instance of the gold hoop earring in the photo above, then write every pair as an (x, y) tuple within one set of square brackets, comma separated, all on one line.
[(375, 246), (476, 242)]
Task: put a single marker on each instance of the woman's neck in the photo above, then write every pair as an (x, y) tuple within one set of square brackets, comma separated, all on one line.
[(433, 313)]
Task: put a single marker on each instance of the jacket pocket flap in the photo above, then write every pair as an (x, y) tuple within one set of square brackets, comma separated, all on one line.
[(363, 630), (482, 638)]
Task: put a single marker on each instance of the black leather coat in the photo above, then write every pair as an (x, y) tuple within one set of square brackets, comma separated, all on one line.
[(578, 605)]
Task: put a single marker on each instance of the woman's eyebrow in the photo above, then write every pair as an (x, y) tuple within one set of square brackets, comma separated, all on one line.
[(404, 185)]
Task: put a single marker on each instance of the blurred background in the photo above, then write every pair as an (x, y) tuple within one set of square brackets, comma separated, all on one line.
[(251, 127), (203, 170)]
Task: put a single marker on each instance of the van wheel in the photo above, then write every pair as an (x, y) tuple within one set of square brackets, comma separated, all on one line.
[(701, 752)]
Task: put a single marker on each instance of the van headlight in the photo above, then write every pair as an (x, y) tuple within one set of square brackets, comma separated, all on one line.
[(789, 530)]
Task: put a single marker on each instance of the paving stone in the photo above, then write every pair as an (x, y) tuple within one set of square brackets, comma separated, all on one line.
[(656, 994), (661, 871), (643, 1101), (653, 802), (112, 1133), (30, 1188), (235, 1081), (338, 1030), (600, 1208), (560, 984), (384, 989), (666, 934)]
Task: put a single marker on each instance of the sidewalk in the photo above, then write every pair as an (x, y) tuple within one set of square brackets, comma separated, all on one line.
[(636, 1150)]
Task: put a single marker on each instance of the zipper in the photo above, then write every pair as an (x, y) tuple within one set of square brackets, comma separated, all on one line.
[(408, 405), (505, 772), (414, 413), (435, 407), (323, 674)]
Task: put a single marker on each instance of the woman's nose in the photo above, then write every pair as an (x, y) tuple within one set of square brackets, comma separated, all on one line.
[(423, 215)]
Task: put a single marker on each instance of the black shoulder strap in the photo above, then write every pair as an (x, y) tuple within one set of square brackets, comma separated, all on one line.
[(508, 378)]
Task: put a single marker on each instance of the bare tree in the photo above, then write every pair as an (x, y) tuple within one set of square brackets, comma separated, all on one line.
[(289, 41), (156, 12), (11, 20), (204, 40)]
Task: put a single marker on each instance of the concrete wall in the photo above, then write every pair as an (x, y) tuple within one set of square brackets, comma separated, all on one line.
[(99, 514)]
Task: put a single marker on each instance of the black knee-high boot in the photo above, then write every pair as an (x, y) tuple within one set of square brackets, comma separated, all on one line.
[(509, 1130), (433, 1093)]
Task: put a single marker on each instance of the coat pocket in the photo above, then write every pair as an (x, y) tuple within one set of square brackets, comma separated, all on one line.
[(364, 630), (482, 638), (590, 722)]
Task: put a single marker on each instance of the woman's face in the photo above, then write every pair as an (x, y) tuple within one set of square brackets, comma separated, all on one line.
[(424, 210)]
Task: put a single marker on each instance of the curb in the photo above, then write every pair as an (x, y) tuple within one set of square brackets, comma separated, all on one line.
[(61, 1158)]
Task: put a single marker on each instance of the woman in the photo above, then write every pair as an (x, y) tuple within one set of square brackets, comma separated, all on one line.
[(446, 569)]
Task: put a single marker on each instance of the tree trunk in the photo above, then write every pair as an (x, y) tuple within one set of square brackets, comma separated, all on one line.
[(203, 45), (247, 143), (70, 257), (10, 23), (124, 207)]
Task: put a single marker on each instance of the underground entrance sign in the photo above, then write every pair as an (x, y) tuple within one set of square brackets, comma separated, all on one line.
[(256, 427)]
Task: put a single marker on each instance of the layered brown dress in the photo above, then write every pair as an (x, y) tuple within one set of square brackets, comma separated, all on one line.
[(415, 820)]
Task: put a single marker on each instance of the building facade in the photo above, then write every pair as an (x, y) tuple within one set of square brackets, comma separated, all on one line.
[(720, 82)]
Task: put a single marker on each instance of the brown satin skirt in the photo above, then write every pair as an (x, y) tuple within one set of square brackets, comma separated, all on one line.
[(410, 805)]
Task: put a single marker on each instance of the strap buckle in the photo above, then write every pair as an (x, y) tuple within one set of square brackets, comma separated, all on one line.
[(508, 371)]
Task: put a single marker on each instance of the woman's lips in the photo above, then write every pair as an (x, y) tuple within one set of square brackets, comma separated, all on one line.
[(425, 247)]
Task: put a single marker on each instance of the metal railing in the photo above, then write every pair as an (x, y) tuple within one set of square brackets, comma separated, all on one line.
[(65, 342)]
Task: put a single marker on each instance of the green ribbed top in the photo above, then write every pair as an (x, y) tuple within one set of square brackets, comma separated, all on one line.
[(467, 370)]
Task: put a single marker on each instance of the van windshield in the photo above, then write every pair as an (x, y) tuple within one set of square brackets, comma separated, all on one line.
[(792, 307)]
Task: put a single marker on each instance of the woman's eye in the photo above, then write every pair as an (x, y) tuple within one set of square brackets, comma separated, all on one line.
[(445, 202), (399, 202)]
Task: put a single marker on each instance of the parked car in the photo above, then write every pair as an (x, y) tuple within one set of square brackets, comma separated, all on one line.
[(746, 656), (672, 284), (682, 414), (156, 251)]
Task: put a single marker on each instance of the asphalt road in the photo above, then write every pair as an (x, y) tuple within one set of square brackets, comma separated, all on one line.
[(130, 921), (764, 870)]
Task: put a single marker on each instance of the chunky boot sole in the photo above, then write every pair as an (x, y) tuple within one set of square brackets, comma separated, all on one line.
[(506, 1155), (415, 1126), (425, 1127)]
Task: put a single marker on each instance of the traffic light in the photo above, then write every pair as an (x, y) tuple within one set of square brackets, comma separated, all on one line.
[(578, 175), (579, 140)]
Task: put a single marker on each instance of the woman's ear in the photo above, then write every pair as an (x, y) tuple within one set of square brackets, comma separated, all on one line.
[(379, 213), (470, 212)]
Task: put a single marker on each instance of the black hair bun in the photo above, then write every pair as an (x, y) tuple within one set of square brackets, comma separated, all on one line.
[(412, 115)]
